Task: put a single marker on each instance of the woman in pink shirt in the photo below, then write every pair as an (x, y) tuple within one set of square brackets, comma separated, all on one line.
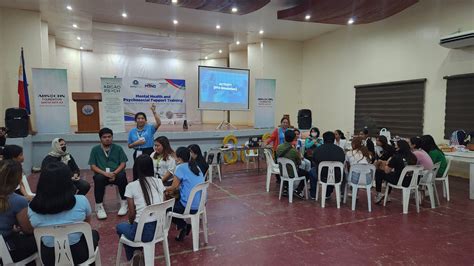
[(421, 156)]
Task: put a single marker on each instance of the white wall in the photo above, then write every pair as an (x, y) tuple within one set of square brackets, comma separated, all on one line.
[(401, 47), (18, 28)]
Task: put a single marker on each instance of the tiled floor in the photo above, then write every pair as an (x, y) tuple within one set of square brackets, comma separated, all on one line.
[(248, 226)]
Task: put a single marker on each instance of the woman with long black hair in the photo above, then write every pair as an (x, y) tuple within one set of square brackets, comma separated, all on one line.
[(428, 144), (196, 155), (187, 176), (144, 191), (163, 160)]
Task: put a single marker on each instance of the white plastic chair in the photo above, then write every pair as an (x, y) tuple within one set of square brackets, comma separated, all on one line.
[(251, 154), (445, 180), (7, 259), (416, 171), (330, 181), (272, 167), (24, 180), (428, 180), (151, 213), (214, 161), (62, 249), (200, 214), (363, 170), (284, 176)]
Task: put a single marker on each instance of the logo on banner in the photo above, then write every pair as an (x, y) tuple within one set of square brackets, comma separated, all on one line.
[(150, 85), (87, 109)]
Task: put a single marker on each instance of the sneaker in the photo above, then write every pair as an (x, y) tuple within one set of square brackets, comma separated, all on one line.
[(100, 211), (299, 195), (312, 197), (379, 198), (138, 259), (123, 208)]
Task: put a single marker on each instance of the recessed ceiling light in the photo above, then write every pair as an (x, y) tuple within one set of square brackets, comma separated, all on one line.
[(218, 26), (237, 42), (174, 1), (74, 25), (124, 14), (307, 17), (220, 51), (175, 22), (261, 32), (81, 48), (234, 10), (205, 57), (78, 38), (68, 7), (350, 21)]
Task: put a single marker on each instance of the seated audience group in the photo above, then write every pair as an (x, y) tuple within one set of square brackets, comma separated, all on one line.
[(389, 159), (60, 192), (161, 173)]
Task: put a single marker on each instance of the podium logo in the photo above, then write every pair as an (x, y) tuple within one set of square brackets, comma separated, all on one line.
[(87, 109)]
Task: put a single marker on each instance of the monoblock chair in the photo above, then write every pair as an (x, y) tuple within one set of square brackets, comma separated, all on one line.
[(330, 181), (62, 249), (411, 170), (152, 213), (214, 161), (250, 155), (283, 164), (366, 174), (445, 180), (24, 180), (272, 167), (7, 259), (427, 181), (200, 214)]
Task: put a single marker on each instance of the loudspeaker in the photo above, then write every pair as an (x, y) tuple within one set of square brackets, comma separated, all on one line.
[(16, 122), (304, 119)]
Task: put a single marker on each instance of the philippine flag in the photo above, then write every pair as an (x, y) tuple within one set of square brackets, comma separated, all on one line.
[(24, 99)]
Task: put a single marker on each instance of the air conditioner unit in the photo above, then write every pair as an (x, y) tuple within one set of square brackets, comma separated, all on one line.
[(458, 40)]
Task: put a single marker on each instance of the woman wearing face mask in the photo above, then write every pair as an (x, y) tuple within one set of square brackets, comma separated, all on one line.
[(278, 135), (312, 142), (59, 153), (140, 138)]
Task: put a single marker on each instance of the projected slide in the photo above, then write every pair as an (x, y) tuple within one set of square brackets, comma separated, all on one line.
[(223, 88)]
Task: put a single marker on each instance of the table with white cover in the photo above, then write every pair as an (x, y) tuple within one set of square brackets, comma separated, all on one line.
[(467, 157)]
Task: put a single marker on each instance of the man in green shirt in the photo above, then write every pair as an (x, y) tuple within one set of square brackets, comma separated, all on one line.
[(288, 150), (107, 161)]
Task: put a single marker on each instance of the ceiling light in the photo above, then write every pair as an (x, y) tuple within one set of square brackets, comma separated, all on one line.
[(218, 26), (74, 25), (234, 10), (175, 22), (68, 7), (220, 51), (205, 57), (174, 1), (124, 14), (81, 48), (260, 32), (78, 38), (307, 17), (350, 21), (237, 42)]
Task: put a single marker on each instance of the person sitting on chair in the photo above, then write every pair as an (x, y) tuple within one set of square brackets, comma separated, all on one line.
[(15, 152), (56, 203), (187, 176), (196, 155), (15, 226), (108, 161), (58, 153)]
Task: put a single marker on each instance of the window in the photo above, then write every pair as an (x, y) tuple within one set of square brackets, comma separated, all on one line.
[(397, 106), (459, 104)]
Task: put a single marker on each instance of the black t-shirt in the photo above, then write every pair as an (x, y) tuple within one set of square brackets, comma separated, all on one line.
[(387, 153), (203, 166), (328, 152), (3, 140)]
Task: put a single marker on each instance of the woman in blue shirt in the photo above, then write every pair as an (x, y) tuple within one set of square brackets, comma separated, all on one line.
[(55, 203), (13, 213), (140, 138), (187, 176)]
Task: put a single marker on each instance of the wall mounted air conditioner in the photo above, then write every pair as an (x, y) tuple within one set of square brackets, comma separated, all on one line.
[(458, 40)]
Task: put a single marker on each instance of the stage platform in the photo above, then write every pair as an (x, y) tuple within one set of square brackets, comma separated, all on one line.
[(79, 145)]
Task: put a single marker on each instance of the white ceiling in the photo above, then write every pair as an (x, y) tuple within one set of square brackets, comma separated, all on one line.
[(102, 28)]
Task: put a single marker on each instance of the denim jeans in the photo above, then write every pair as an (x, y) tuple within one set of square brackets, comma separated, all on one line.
[(129, 231)]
